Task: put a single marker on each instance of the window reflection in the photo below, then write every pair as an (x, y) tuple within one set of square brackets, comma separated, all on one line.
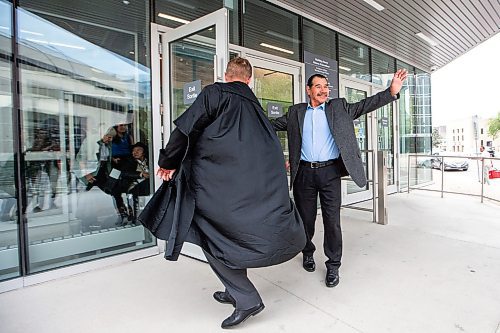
[(353, 95), (9, 260), (275, 88), (353, 59), (174, 13), (271, 29), (85, 107)]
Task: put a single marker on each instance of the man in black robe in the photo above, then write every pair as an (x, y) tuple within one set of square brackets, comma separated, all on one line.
[(235, 171)]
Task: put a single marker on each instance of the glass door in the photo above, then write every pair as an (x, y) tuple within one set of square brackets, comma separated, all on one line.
[(375, 131), (353, 92), (194, 56), (385, 141), (191, 57), (277, 86)]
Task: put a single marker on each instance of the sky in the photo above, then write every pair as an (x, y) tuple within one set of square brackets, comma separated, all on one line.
[(469, 85)]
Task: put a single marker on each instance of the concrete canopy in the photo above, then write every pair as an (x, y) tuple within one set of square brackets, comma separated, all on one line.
[(454, 27)]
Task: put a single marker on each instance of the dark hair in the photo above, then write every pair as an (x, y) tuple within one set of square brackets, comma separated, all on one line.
[(312, 77)]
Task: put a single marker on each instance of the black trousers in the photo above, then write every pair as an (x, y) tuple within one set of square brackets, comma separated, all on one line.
[(236, 282), (324, 181)]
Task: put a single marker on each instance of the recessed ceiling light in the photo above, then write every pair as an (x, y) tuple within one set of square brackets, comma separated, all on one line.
[(183, 4), (276, 48), (173, 18), (353, 61), (31, 32), (277, 34), (374, 4), (347, 69), (427, 39), (126, 2)]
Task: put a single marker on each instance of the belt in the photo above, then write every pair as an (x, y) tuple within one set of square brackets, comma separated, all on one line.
[(317, 165)]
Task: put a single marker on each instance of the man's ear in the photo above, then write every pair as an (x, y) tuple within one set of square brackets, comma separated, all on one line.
[(247, 81)]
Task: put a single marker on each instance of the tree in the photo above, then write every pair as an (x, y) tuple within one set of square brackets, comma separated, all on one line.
[(494, 126), (436, 138)]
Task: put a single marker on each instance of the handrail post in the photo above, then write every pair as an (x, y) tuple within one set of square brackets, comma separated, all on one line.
[(408, 169), (481, 172), (382, 187), (442, 176), (374, 186)]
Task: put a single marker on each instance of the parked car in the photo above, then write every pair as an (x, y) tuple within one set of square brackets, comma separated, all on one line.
[(451, 162)]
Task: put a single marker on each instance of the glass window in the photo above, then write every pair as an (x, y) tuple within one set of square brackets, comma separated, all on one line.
[(353, 95), (383, 68), (85, 101), (409, 68), (9, 258), (174, 13), (274, 87), (319, 40), (270, 29), (353, 59), (385, 132), (192, 59)]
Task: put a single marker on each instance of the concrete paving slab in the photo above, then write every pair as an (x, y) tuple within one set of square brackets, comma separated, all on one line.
[(434, 268)]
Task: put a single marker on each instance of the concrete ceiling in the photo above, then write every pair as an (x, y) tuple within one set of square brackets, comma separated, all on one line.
[(456, 26)]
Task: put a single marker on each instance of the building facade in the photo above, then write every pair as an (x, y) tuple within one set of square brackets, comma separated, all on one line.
[(467, 135), (73, 72)]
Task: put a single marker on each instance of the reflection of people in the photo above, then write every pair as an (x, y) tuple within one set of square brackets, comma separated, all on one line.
[(121, 146), (93, 166), (135, 178), (7, 191), (487, 166), (243, 215), (323, 147), (120, 151), (93, 161), (46, 139)]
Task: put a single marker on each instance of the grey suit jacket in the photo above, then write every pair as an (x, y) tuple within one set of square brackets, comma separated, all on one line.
[(340, 116)]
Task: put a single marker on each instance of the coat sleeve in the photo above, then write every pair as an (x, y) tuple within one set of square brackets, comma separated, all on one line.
[(171, 157), (201, 113), (369, 104), (281, 123), (190, 125)]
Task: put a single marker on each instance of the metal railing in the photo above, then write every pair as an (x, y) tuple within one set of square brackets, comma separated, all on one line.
[(438, 162)]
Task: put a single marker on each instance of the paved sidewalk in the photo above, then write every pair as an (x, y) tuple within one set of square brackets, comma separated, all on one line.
[(434, 268)]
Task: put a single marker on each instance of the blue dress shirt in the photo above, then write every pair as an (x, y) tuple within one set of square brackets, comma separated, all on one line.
[(318, 144)]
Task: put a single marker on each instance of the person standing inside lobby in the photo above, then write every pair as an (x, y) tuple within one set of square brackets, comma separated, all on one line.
[(323, 148)]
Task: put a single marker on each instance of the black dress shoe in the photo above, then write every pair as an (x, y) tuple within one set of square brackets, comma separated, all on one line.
[(239, 316), (224, 297), (332, 278), (308, 263)]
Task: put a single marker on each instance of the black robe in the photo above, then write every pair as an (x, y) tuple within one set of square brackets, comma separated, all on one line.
[(236, 172)]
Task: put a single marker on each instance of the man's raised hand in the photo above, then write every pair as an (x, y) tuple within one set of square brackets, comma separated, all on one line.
[(397, 81)]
